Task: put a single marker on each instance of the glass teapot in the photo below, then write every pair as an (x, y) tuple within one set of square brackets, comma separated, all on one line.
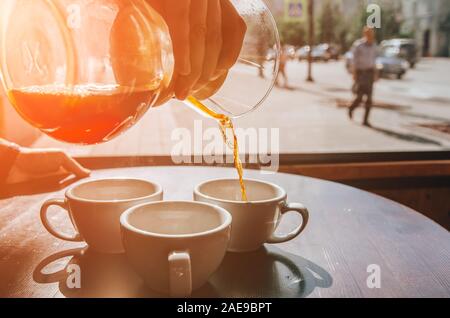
[(85, 71)]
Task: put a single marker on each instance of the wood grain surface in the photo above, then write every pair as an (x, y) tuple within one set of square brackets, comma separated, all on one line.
[(349, 230)]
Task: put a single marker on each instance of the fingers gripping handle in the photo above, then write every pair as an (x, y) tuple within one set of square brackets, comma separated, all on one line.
[(44, 218), (292, 207)]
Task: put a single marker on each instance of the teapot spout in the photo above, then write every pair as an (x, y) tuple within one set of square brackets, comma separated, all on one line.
[(204, 110)]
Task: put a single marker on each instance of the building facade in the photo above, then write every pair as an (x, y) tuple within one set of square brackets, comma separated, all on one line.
[(279, 7), (428, 20)]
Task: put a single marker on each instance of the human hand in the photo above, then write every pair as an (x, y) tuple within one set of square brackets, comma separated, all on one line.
[(207, 37), (33, 163)]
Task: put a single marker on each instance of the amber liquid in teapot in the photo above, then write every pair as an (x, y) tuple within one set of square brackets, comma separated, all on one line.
[(83, 114), (92, 114)]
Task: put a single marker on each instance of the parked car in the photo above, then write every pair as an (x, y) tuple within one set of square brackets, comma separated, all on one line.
[(302, 53), (407, 48), (332, 49), (290, 51), (389, 62), (321, 53)]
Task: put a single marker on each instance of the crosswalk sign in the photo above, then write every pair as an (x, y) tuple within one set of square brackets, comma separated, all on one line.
[(295, 10)]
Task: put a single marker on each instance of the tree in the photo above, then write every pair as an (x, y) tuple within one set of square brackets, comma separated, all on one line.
[(311, 38), (356, 25), (342, 32), (292, 33), (390, 22), (328, 22), (445, 28), (332, 26)]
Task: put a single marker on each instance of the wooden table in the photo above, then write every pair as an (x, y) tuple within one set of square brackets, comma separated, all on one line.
[(350, 231)]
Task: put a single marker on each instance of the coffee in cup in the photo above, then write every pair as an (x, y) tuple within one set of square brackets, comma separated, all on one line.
[(256, 220), (95, 208), (175, 246)]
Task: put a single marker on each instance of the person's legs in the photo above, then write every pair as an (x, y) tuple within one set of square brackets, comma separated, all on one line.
[(368, 109), (261, 69), (369, 101), (285, 77), (355, 104), (281, 73), (277, 80)]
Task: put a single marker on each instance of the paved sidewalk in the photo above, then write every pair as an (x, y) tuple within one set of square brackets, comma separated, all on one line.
[(309, 118)]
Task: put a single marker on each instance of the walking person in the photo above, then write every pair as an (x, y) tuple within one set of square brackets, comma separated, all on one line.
[(365, 74), (282, 69)]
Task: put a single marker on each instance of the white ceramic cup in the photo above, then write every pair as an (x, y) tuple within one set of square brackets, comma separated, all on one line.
[(176, 246), (255, 221), (95, 208)]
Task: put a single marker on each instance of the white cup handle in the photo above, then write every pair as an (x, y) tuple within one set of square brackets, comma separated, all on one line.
[(180, 274), (44, 218), (292, 207)]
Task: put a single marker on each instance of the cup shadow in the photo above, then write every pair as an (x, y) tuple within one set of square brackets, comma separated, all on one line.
[(268, 272), (101, 276)]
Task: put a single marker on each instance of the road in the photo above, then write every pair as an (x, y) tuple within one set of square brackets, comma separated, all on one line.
[(310, 117)]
